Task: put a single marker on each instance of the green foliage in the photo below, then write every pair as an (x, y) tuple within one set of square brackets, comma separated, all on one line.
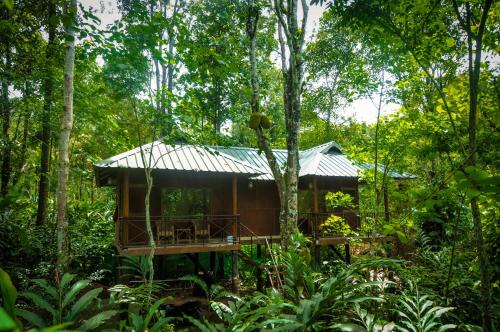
[(153, 320), (136, 266), (9, 296), (10, 315), (418, 313), (339, 199), (64, 303), (336, 225), (366, 322)]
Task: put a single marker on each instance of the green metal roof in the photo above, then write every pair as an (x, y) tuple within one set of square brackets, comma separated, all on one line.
[(325, 160)]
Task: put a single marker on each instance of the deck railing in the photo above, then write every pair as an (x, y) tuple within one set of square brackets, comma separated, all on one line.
[(178, 230)]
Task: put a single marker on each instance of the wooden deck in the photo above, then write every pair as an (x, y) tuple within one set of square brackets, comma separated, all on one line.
[(322, 241), (181, 249)]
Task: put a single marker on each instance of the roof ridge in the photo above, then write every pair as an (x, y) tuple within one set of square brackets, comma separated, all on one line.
[(321, 145), (242, 148), (242, 162)]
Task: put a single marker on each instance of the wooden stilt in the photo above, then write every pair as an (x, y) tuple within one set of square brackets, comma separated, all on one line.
[(212, 263), (317, 254), (221, 264), (259, 270), (196, 264), (347, 248), (235, 282)]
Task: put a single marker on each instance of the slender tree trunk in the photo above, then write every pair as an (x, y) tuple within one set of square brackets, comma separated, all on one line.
[(43, 185), (7, 143), (21, 161), (375, 175), (474, 75), (149, 229), (64, 140)]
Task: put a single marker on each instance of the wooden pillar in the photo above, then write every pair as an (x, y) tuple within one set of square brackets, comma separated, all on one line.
[(212, 262), (347, 248), (235, 280), (315, 196), (125, 204), (317, 254), (196, 264), (221, 264), (235, 204), (317, 248), (259, 270)]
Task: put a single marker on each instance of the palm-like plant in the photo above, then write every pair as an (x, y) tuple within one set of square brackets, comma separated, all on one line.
[(313, 314), (365, 322), (154, 320), (136, 267), (64, 304), (419, 314), (242, 315)]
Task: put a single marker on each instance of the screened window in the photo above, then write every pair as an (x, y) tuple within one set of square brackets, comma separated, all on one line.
[(185, 201)]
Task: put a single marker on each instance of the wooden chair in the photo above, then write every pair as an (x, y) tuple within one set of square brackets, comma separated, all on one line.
[(201, 231), (164, 232)]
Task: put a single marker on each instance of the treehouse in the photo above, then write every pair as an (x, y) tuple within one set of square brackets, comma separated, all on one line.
[(212, 198)]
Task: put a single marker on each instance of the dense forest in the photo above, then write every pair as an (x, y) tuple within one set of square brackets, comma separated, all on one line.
[(254, 73)]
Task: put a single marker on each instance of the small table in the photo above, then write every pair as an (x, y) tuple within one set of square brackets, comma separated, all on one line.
[(183, 234)]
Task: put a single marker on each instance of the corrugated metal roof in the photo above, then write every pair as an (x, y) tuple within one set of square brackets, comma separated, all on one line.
[(255, 158), (323, 160), (181, 158)]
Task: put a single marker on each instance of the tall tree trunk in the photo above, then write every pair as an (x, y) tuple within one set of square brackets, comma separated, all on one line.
[(375, 175), (474, 50), (21, 161), (64, 140), (292, 70), (474, 75), (149, 229), (7, 143), (43, 185)]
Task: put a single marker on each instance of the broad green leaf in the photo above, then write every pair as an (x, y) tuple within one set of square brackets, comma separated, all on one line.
[(75, 289), (31, 318), (40, 302), (50, 290), (152, 311), (6, 322), (9, 293), (97, 320), (82, 303), (350, 327), (66, 279)]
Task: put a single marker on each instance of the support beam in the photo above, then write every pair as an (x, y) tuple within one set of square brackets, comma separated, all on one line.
[(234, 230), (196, 261), (317, 254), (315, 196), (315, 226), (212, 263), (221, 265), (235, 280), (125, 204), (347, 249)]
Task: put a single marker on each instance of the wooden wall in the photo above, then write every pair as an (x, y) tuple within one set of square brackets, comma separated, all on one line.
[(257, 203)]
